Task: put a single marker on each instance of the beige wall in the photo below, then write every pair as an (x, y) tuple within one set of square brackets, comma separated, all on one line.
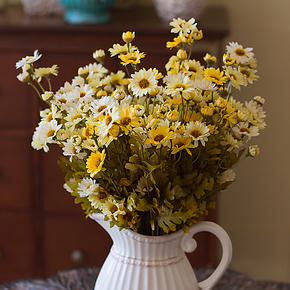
[(255, 211)]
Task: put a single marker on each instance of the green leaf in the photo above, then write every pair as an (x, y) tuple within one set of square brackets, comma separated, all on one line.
[(168, 220)]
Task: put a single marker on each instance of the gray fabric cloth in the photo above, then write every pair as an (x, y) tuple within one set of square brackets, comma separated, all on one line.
[(84, 279)]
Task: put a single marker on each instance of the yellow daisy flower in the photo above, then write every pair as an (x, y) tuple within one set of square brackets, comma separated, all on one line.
[(131, 57), (215, 75), (235, 76), (175, 43), (95, 162), (182, 143), (160, 136), (46, 71), (119, 49), (128, 119), (128, 36)]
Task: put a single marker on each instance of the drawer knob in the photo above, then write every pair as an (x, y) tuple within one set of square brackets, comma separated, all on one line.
[(77, 256), (1, 254)]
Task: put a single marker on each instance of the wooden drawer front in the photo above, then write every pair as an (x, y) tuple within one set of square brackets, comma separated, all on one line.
[(15, 183), (16, 97), (65, 235), (16, 246)]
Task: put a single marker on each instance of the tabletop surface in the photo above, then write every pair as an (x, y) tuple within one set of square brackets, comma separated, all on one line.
[(84, 279)]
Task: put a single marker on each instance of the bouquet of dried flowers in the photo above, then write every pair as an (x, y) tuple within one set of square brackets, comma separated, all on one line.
[(150, 152)]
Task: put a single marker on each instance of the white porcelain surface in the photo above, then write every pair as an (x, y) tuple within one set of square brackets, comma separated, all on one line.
[(138, 262)]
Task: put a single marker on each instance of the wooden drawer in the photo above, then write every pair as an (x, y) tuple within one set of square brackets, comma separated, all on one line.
[(64, 235), (15, 182), (16, 246)]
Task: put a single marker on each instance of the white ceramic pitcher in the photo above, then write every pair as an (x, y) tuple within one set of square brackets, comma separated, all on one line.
[(139, 262)]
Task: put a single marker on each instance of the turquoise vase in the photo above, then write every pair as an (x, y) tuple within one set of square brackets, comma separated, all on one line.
[(87, 11)]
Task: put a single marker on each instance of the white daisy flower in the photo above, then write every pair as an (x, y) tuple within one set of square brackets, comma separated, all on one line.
[(179, 83), (143, 82), (204, 85), (182, 27), (85, 186), (78, 81), (28, 59), (71, 150), (73, 117), (102, 105), (86, 93), (226, 176), (243, 129), (198, 132), (241, 54), (44, 134)]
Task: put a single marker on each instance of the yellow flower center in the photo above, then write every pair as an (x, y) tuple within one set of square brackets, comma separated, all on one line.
[(132, 58), (125, 121), (244, 129), (195, 133), (113, 208), (143, 83), (62, 101), (49, 118), (233, 76), (180, 86), (102, 108), (77, 116), (193, 69), (108, 120), (240, 52), (179, 144), (82, 94), (159, 137), (246, 73), (50, 133), (88, 132)]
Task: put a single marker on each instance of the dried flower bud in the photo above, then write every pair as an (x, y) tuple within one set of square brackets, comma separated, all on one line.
[(99, 55), (139, 110), (221, 103), (47, 95), (181, 54), (227, 60), (172, 116), (242, 116), (253, 151), (119, 94), (210, 60), (101, 93), (128, 36), (76, 140), (114, 130), (197, 34), (154, 92), (24, 77), (83, 72), (207, 111), (259, 100)]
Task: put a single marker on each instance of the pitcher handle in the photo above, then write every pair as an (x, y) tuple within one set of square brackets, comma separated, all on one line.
[(188, 244)]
